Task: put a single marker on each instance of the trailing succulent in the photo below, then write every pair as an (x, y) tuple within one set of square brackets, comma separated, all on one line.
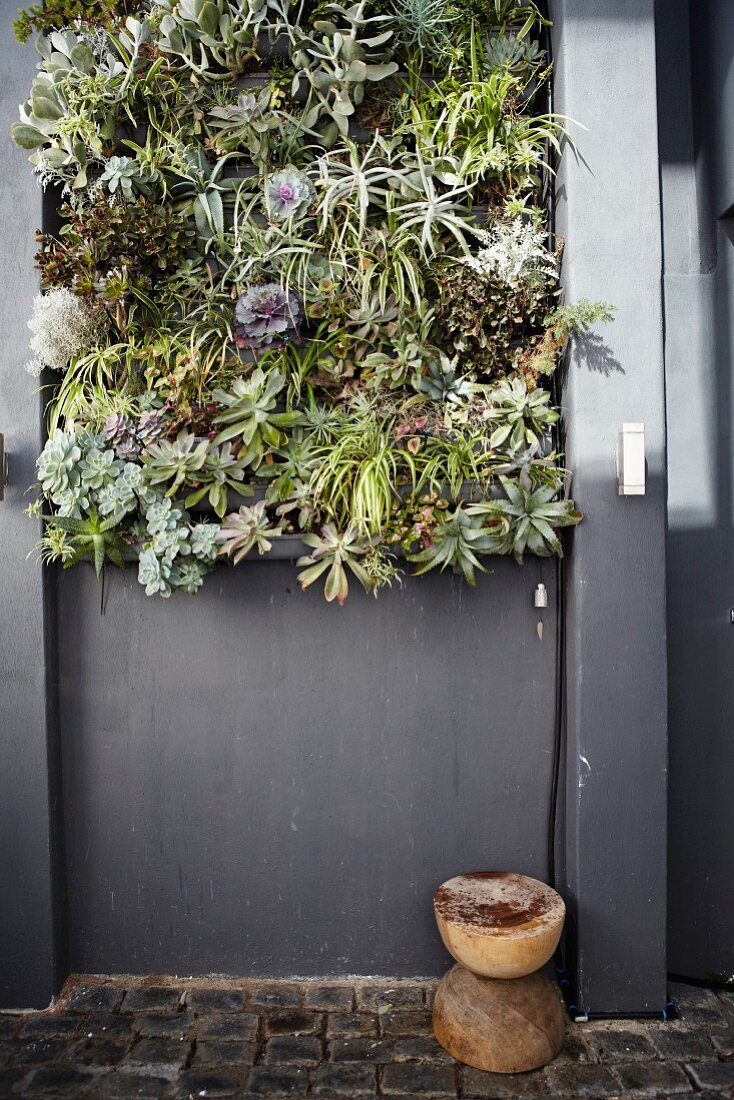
[(302, 287)]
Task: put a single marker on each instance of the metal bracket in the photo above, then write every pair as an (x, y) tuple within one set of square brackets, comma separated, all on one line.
[(3, 467)]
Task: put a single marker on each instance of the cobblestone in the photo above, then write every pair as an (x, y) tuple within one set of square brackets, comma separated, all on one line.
[(331, 998), (294, 1023), (244, 1026), (182, 1039), (152, 998), (224, 1052), (348, 1079), (344, 1025), (621, 1046), (44, 1025), (94, 998), (421, 1080), (497, 1086), (360, 1050), (652, 1079), (215, 999), (384, 996)]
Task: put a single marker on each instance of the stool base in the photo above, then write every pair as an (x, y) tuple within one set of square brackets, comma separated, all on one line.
[(501, 1025)]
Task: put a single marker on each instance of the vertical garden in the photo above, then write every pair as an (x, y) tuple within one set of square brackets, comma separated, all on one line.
[(304, 284)]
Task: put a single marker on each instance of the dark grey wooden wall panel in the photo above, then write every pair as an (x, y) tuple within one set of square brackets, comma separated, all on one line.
[(26, 897), (259, 783), (696, 107), (609, 212)]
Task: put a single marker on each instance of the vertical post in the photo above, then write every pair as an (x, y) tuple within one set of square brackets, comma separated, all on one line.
[(608, 202), (27, 968)]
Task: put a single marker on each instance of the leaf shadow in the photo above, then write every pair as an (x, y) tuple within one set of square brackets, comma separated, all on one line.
[(594, 354)]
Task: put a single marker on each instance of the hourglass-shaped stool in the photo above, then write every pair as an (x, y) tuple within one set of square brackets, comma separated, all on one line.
[(496, 1010)]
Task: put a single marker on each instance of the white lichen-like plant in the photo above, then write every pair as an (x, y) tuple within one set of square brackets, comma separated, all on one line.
[(62, 326), (514, 252)]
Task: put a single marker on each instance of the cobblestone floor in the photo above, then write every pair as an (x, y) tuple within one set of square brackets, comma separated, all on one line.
[(176, 1039)]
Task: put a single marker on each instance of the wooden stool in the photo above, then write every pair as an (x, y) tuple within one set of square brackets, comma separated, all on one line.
[(494, 1011)]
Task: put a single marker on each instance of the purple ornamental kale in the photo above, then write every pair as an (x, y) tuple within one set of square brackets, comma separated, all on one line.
[(266, 314)]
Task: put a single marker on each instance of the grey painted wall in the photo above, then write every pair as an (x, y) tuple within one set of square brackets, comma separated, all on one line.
[(697, 171), (609, 211), (26, 897), (259, 783)]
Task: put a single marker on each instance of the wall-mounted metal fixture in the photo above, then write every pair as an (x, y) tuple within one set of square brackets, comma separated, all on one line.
[(631, 460), (3, 467)]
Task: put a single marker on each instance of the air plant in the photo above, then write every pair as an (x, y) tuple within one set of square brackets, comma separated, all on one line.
[(424, 26)]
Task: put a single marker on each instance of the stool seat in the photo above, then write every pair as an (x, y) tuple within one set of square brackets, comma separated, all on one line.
[(499, 924)]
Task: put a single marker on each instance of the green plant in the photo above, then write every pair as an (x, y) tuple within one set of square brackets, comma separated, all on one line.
[(441, 382), (246, 124), (534, 516), (143, 239), (177, 462), (92, 537), (335, 287), (523, 416), (356, 475), (541, 356), (214, 39), (246, 529), (126, 176), (507, 14), (250, 415), (334, 553), (53, 14), (337, 59), (222, 471), (455, 542)]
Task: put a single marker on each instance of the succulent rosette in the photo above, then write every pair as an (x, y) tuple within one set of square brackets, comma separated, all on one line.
[(266, 314)]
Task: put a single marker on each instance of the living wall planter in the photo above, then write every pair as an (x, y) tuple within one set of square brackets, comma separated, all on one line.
[(336, 271)]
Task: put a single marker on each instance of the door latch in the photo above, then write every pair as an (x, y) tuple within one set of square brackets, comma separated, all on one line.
[(3, 467)]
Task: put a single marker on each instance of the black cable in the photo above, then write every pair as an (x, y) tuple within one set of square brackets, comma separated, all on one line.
[(548, 196)]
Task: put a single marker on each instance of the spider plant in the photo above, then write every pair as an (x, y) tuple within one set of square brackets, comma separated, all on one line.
[(95, 385), (357, 475)]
